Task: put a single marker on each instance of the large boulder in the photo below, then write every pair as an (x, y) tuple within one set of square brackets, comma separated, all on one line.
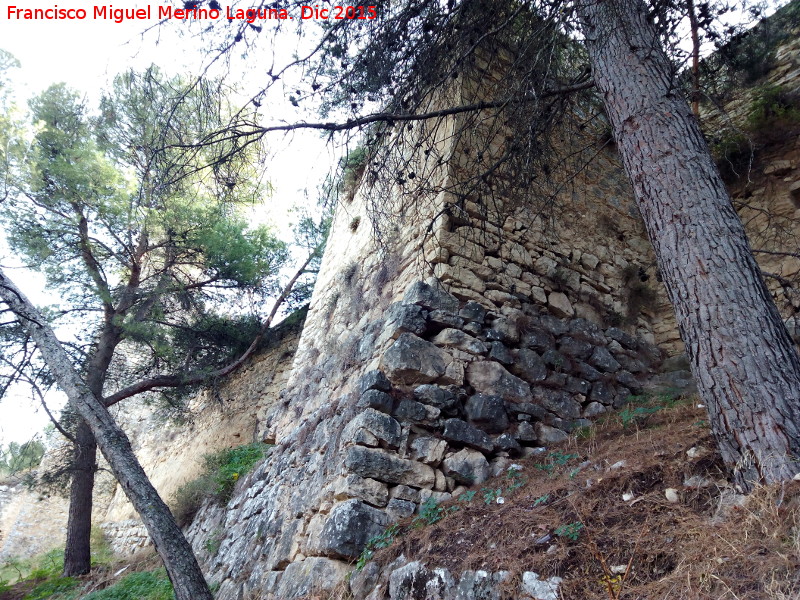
[(432, 296), (461, 432)]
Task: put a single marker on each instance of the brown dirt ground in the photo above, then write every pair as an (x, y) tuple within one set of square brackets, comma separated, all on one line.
[(674, 550)]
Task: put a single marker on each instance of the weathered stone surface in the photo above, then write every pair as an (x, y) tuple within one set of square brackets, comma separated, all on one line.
[(467, 466), (553, 325), (480, 585), (415, 582), (575, 348), (587, 372), (412, 360), (560, 305), (602, 359), (526, 433), (461, 432), (415, 412), (488, 412), (587, 331), (400, 509), (403, 492), (501, 354), (602, 392), (384, 466), (472, 312), (540, 589), (314, 574), (379, 424), (492, 378), (635, 385), (431, 296), (577, 386), (593, 409), (348, 528), (625, 339), (631, 364), (404, 318), (538, 339), (503, 330), (529, 366), (374, 380), (377, 400), (506, 443), (526, 408), (370, 491), (445, 318), (455, 338), (549, 435), (429, 450), (433, 395)]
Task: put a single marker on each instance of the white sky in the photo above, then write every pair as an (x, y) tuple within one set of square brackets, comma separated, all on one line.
[(86, 54)]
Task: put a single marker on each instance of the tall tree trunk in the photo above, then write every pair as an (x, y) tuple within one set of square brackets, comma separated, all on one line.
[(175, 551), (77, 551), (745, 363)]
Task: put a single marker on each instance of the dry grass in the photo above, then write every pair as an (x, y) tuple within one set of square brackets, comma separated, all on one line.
[(642, 548)]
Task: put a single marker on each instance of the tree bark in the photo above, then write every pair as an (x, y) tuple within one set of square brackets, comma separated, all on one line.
[(175, 551), (745, 363), (77, 551)]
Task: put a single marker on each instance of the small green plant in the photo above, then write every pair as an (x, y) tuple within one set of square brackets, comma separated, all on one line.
[(773, 105), (541, 500), (431, 512), (491, 496), (467, 496), (213, 543), (555, 460), (383, 540), (516, 480), (570, 531), (146, 585)]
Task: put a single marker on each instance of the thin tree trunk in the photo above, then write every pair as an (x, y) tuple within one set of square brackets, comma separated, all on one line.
[(175, 551), (77, 551), (745, 363)]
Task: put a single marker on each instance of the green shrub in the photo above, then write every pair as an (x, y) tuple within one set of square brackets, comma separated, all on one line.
[(221, 471), (773, 106), (147, 585)]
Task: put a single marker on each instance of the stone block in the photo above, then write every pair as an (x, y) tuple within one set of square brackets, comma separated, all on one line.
[(603, 360), (526, 433), (379, 424), (370, 491), (429, 450), (415, 412), (506, 443), (455, 338), (473, 312), (374, 380), (314, 574), (431, 295), (587, 331), (488, 412), (559, 305), (499, 352), (433, 395), (575, 348), (400, 509), (412, 360), (404, 318), (467, 466), (377, 400), (549, 435), (553, 325), (445, 318), (488, 377), (461, 432), (348, 528), (414, 581), (537, 339), (385, 466)]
